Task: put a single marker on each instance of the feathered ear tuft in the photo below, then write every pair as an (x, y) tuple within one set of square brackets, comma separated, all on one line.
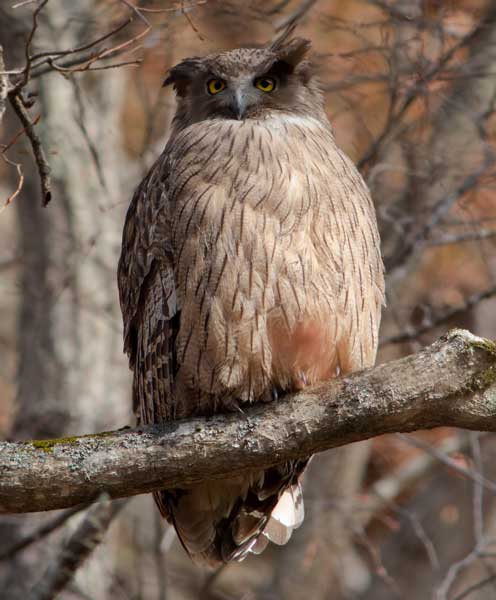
[(294, 51), (182, 74), (290, 51)]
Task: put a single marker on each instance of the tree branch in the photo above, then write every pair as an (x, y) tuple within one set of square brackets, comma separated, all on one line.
[(452, 382), (75, 550), (38, 151)]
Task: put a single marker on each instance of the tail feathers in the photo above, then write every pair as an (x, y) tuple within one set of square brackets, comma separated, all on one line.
[(260, 544), (224, 520), (287, 516)]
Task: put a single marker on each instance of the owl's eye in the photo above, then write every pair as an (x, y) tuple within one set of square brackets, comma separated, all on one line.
[(266, 84), (215, 86)]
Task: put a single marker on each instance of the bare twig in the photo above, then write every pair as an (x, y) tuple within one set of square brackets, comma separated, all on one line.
[(387, 489), (440, 319), (41, 532), (20, 179), (39, 154), (478, 488), (301, 10), (419, 238), (442, 592), (475, 587), (4, 90), (75, 551), (477, 477), (79, 49), (185, 14), (27, 69), (81, 122), (81, 58), (470, 236), (419, 87)]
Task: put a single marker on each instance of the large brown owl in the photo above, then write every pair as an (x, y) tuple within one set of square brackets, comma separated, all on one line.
[(250, 267)]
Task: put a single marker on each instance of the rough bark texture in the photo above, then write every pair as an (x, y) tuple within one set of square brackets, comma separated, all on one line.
[(452, 382)]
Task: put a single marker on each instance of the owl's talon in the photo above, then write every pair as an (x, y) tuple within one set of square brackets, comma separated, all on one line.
[(241, 411), (303, 378)]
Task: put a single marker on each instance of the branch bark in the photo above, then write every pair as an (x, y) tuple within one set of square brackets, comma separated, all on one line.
[(452, 382)]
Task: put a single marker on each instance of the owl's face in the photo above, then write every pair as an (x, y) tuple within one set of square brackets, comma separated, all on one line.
[(246, 83)]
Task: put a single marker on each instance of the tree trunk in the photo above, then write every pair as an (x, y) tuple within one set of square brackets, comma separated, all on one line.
[(71, 375)]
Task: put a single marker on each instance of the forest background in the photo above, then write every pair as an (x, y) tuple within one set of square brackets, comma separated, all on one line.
[(410, 90)]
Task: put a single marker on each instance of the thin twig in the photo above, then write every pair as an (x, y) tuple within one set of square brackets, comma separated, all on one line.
[(415, 90), (476, 586), (76, 550), (478, 488), (87, 46), (449, 462), (440, 319), (296, 15), (27, 69), (81, 122), (20, 180), (470, 236), (419, 238), (40, 532), (185, 14), (39, 153)]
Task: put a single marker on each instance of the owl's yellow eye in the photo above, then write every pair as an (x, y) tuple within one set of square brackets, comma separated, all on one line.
[(266, 84), (215, 86)]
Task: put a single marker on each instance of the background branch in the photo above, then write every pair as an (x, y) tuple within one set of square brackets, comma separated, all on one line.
[(76, 550), (452, 382), (4, 84)]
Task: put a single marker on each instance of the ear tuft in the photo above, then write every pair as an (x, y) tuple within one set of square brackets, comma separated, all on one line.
[(290, 51), (294, 51), (182, 74)]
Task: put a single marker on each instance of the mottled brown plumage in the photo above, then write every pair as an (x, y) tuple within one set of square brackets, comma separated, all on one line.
[(250, 266)]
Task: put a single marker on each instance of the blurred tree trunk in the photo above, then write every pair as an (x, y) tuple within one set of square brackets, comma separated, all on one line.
[(69, 333)]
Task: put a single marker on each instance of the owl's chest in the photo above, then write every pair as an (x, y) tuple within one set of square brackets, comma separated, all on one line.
[(250, 179), (270, 253)]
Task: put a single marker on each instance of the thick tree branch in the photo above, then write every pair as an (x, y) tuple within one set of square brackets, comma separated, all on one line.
[(452, 382)]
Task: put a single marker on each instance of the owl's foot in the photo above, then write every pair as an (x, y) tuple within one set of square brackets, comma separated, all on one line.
[(241, 411), (301, 381)]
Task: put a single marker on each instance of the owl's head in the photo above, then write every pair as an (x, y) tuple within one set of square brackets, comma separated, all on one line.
[(246, 83)]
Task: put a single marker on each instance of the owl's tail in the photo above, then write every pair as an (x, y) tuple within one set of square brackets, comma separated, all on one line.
[(223, 520)]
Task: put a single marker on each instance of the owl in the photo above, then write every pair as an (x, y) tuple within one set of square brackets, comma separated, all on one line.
[(250, 268)]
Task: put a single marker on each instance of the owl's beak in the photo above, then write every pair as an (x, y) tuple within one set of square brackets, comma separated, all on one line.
[(238, 104)]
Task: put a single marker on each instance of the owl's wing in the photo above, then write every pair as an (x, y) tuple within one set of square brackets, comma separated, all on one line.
[(148, 297)]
